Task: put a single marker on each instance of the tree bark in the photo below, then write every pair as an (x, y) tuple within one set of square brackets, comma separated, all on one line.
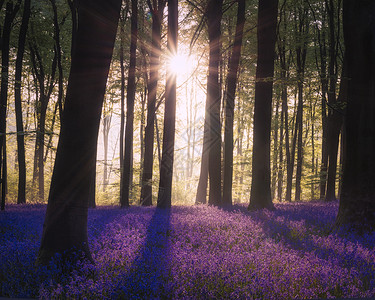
[(201, 197), (229, 104), (260, 196), (302, 29), (166, 168), (21, 197), (65, 225), (10, 14), (130, 99), (357, 202), (157, 18), (214, 15)]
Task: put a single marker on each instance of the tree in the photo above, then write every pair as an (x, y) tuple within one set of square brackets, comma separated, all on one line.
[(166, 168), (229, 104), (44, 71), (334, 118), (357, 202), (157, 18), (260, 196), (21, 198), (130, 98), (65, 225), (10, 14), (214, 15), (301, 29)]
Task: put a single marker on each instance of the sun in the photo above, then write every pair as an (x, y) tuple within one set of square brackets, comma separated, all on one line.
[(178, 64)]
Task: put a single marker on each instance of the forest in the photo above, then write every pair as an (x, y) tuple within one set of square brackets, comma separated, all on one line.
[(187, 149)]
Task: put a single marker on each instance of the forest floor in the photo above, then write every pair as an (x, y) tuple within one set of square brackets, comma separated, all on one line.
[(196, 252)]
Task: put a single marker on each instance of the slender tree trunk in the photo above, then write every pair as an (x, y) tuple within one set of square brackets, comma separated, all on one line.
[(45, 91), (260, 196), (299, 131), (4, 176), (201, 197), (166, 168), (275, 150), (334, 128), (229, 104), (146, 189), (334, 116), (214, 15), (21, 197), (10, 14), (130, 99), (302, 29), (65, 225), (56, 37), (106, 127), (122, 101)]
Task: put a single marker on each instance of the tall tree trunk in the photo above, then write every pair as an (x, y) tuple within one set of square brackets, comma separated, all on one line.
[(229, 104), (45, 91), (334, 129), (10, 13), (275, 150), (334, 114), (122, 100), (65, 225), (260, 196), (201, 197), (166, 168), (21, 197), (130, 98), (357, 202), (106, 127), (56, 37), (302, 29), (157, 18), (214, 15)]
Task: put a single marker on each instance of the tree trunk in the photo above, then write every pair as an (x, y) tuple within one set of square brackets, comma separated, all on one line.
[(122, 100), (45, 91), (56, 37), (130, 98), (229, 104), (302, 29), (334, 111), (21, 198), (10, 14), (65, 225), (214, 15), (106, 127), (157, 18), (201, 197), (357, 202), (260, 196), (166, 167)]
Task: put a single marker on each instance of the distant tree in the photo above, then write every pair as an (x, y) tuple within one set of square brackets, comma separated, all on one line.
[(65, 225), (130, 99), (166, 167), (214, 15), (229, 104), (357, 202), (201, 196), (44, 66), (21, 198), (260, 196)]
